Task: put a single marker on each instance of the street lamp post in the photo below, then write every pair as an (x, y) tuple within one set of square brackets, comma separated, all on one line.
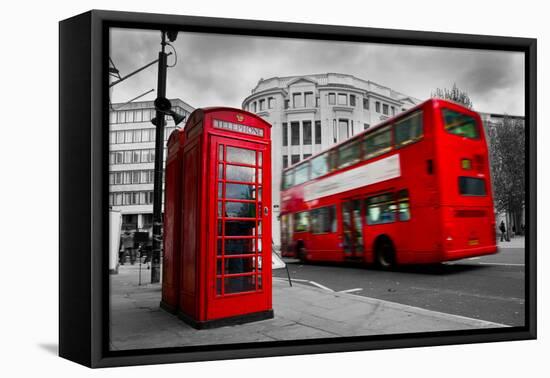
[(158, 121), (163, 107)]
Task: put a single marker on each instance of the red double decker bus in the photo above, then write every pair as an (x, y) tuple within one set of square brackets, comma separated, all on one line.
[(414, 189)]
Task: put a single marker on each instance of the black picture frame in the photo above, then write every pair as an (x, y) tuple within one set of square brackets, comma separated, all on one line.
[(83, 211)]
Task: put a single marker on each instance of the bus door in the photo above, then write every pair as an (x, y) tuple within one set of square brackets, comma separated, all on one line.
[(352, 229)]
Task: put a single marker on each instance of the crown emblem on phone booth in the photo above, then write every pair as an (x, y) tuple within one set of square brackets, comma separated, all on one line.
[(239, 117)]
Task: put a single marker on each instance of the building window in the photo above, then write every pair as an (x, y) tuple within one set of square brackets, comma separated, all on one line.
[(317, 101), (128, 136), (112, 137), (365, 126), (352, 100), (342, 99), (297, 101), (287, 104), (127, 157), (285, 161), (119, 157), (307, 132), (254, 107), (147, 115), (271, 102), (136, 156), (308, 96), (294, 159), (306, 156), (137, 136), (285, 134), (262, 105), (365, 103), (120, 136), (385, 109), (334, 131), (393, 110), (343, 131), (377, 106), (317, 132), (332, 98), (295, 133)]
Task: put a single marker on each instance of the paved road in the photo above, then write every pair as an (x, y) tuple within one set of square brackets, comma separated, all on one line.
[(489, 288)]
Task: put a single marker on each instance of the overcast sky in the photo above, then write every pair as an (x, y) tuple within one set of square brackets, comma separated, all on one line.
[(214, 69)]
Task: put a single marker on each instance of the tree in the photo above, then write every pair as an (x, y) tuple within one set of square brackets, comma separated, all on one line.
[(506, 142), (455, 95)]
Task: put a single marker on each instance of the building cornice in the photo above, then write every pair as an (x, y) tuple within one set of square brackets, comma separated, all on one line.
[(270, 91), (300, 110), (342, 108)]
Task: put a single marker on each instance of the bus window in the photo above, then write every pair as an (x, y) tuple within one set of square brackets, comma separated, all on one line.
[(323, 220), (332, 157), (471, 186), (301, 221), (301, 174), (319, 166), (403, 205), (378, 143), (408, 130), (381, 209), (348, 154), (460, 124), (288, 178)]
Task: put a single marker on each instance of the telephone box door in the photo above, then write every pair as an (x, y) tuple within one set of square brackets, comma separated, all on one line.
[(240, 258)]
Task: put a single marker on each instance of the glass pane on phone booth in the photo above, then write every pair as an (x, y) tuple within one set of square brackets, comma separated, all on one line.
[(239, 220)]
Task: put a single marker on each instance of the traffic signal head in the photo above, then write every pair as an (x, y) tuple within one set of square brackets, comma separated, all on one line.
[(172, 35), (162, 104)]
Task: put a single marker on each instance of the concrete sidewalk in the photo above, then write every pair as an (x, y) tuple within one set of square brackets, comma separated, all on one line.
[(515, 242), (301, 312)]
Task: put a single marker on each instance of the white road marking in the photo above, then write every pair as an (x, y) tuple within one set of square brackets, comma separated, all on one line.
[(500, 264), (351, 290), (474, 258), (314, 284), (483, 263)]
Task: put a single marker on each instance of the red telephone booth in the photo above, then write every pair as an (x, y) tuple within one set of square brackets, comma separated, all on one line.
[(225, 241), (172, 222)]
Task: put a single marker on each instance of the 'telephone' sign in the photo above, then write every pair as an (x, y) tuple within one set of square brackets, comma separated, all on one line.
[(381, 170), (250, 130)]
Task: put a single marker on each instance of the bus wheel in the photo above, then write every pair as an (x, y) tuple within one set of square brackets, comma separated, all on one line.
[(385, 254)]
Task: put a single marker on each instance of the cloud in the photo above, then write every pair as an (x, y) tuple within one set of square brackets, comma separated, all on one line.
[(214, 69)]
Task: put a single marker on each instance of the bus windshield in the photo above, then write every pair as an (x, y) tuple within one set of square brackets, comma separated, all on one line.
[(460, 124)]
